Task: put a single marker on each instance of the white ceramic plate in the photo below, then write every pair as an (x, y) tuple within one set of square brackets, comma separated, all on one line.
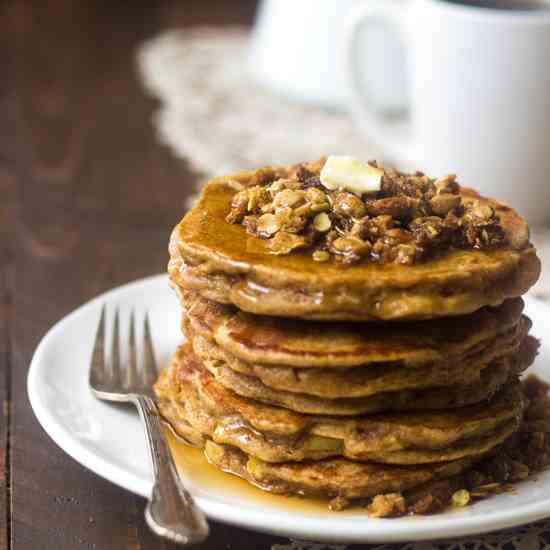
[(109, 440)]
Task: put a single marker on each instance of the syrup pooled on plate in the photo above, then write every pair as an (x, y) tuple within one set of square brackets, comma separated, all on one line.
[(193, 466)]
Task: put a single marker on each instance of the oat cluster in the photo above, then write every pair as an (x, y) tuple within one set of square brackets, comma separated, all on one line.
[(412, 217)]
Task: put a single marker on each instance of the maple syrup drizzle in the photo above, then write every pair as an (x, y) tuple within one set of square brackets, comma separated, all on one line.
[(192, 465)]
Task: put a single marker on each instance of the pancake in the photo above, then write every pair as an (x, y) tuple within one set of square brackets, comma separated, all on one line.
[(330, 478), (366, 389), (489, 382), (263, 340), (276, 435), (426, 488), (224, 263)]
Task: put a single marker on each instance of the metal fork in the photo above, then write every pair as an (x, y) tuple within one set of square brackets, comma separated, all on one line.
[(170, 511)]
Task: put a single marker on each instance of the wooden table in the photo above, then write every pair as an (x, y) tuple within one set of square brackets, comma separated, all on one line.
[(87, 201)]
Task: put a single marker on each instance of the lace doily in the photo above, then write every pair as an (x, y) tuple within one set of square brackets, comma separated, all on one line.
[(216, 117), (535, 536)]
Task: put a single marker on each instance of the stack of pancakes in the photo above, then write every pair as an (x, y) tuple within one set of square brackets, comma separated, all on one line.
[(344, 383)]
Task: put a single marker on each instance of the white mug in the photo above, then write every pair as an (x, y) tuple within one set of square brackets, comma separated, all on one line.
[(478, 86), (297, 48)]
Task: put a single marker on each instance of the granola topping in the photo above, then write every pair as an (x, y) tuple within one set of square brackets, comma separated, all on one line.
[(410, 218)]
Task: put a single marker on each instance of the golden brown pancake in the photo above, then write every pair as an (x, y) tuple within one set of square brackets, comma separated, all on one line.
[(264, 340), (489, 382), (274, 434), (363, 381), (462, 351), (330, 478), (371, 388), (223, 263)]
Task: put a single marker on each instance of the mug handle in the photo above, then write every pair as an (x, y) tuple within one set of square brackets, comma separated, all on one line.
[(395, 140)]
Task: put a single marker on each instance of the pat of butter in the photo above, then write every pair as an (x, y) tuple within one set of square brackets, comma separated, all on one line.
[(342, 172)]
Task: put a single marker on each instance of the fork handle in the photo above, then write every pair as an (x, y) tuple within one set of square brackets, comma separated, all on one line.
[(171, 511)]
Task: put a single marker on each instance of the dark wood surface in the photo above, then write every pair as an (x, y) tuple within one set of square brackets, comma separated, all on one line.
[(87, 200)]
